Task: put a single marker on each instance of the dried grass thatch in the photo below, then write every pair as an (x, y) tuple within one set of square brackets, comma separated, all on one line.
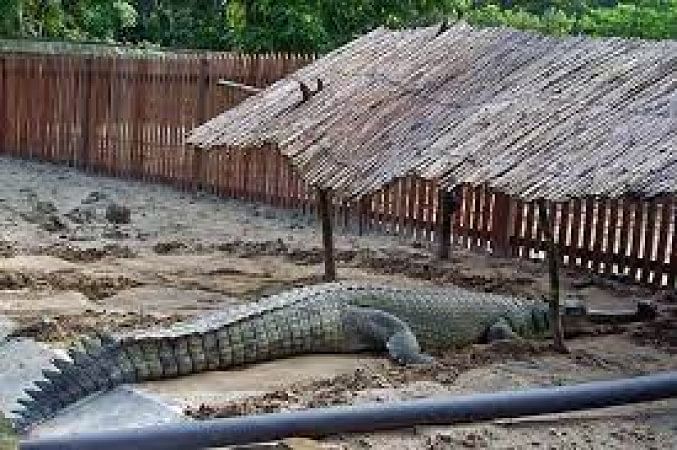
[(531, 115)]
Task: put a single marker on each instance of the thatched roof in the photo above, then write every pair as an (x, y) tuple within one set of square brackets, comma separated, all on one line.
[(531, 115)]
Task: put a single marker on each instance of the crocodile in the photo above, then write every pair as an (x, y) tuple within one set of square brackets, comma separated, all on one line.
[(341, 317)]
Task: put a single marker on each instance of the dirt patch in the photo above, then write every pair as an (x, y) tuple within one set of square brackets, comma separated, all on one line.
[(94, 287), (84, 255), (341, 390), (65, 329)]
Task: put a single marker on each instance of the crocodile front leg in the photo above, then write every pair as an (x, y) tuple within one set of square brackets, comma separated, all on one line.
[(372, 329), (501, 331)]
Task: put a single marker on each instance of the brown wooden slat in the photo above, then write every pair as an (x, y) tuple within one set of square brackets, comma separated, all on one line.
[(500, 226), (420, 204), (518, 223), (575, 233), (531, 240), (648, 244), (598, 239), (588, 227), (612, 237), (672, 275), (663, 233), (625, 234), (467, 216), (563, 231), (431, 200), (638, 210)]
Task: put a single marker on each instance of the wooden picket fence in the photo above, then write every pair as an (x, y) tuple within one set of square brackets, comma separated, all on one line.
[(128, 117), (120, 115), (634, 239)]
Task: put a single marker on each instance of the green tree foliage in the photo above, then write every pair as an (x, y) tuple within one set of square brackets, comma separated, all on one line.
[(316, 25)]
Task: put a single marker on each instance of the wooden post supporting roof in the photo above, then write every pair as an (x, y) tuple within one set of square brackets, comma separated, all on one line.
[(324, 205), (545, 215)]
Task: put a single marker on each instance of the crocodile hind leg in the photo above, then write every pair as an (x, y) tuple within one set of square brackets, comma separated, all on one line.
[(501, 331), (372, 329)]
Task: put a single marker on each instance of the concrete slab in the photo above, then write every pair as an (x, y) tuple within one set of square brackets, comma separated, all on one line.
[(21, 363), (120, 408), (7, 326)]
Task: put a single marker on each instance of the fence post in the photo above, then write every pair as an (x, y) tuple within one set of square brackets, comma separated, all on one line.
[(500, 225), (445, 208), (324, 205), (547, 222)]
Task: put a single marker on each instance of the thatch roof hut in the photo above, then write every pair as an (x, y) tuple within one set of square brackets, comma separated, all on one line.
[(527, 114), (407, 113)]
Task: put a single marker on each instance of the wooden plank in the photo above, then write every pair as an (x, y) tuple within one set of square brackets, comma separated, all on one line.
[(385, 224), (477, 216), (563, 229), (576, 233), (588, 226), (87, 118), (430, 209), (648, 241), (41, 138), (402, 210), (466, 240), (672, 275), (518, 223), (612, 237), (445, 209), (378, 204), (500, 225), (532, 242), (420, 200), (637, 223), (3, 104), (487, 197), (626, 218), (598, 240), (411, 206), (663, 233)]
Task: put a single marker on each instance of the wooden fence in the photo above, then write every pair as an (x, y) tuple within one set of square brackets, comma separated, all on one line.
[(120, 115), (632, 238), (128, 117)]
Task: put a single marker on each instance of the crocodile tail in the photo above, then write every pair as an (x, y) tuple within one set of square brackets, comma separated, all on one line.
[(97, 363)]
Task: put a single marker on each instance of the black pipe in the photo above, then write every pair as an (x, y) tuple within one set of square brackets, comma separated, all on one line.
[(326, 421)]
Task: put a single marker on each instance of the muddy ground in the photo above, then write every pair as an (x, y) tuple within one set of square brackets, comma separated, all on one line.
[(81, 253)]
